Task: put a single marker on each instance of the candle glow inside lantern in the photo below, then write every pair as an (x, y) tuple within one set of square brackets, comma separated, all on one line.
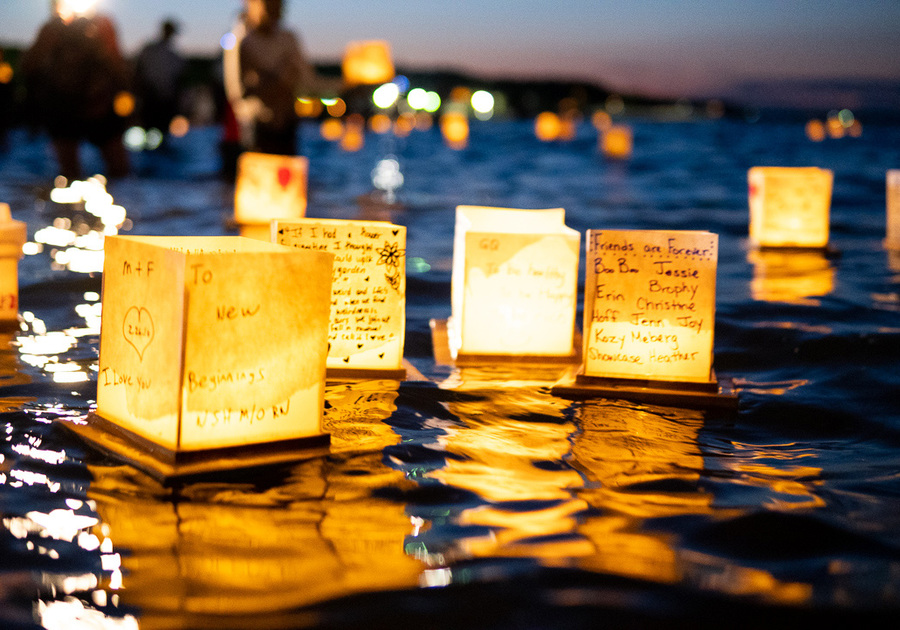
[(212, 342), (789, 207), (649, 305), (368, 295), (367, 63), (514, 284), (270, 187), (12, 238), (893, 209)]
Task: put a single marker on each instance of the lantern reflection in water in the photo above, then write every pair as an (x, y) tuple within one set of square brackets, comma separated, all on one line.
[(792, 277), (526, 506), (646, 463), (290, 537)]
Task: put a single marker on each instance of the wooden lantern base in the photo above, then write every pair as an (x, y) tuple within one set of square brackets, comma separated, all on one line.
[(340, 375), (167, 465), (718, 393), (440, 342)]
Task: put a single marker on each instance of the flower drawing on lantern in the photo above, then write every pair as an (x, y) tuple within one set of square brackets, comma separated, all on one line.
[(390, 256)]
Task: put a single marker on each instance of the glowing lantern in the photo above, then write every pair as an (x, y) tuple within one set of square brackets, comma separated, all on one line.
[(893, 209), (270, 187), (547, 126), (455, 130), (789, 207), (514, 283), (649, 305), (213, 342), (616, 142), (367, 63), (368, 294), (12, 238)]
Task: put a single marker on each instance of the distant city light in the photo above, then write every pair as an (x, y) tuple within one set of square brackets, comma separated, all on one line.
[(228, 41), (433, 102), (483, 104), (402, 83), (386, 95), (417, 98)]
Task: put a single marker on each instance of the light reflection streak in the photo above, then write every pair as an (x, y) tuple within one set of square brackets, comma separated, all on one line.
[(77, 245)]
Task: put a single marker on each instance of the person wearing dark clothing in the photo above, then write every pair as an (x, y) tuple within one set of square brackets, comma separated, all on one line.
[(272, 70), (73, 73), (158, 75)]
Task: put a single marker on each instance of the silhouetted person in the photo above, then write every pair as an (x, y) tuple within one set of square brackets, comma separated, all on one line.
[(6, 101), (158, 75), (73, 72), (272, 70)]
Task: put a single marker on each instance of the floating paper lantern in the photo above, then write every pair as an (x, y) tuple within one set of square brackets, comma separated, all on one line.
[(368, 294), (789, 207), (213, 342), (893, 209), (514, 283), (367, 63), (12, 238), (616, 142), (270, 187), (649, 305)]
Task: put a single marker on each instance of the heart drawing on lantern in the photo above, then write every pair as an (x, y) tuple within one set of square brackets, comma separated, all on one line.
[(284, 176), (138, 329)]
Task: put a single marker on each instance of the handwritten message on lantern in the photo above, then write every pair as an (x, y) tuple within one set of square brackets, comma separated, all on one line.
[(789, 207), (270, 187), (212, 342), (893, 209), (514, 283), (368, 293), (649, 306)]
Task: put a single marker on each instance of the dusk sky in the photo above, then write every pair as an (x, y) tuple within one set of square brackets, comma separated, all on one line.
[(674, 47)]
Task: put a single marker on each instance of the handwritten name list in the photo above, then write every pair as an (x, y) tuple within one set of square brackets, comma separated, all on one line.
[(650, 304), (368, 291)]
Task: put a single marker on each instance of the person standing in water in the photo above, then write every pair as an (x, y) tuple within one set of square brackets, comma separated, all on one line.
[(73, 72)]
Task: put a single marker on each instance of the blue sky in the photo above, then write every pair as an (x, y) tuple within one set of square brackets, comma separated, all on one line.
[(674, 47)]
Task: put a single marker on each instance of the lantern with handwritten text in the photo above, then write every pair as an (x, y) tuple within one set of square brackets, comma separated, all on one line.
[(367, 63), (368, 294), (514, 283), (650, 304), (213, 342), (789, 207), (893, 209), (270, 187), (12, 238)]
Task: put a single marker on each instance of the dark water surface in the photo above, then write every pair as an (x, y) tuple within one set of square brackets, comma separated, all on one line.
[(474, 498)]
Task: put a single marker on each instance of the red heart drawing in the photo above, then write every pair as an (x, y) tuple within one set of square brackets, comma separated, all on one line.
[(138, 329), (284, 176)]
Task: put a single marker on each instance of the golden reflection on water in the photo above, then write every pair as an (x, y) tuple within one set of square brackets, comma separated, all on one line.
[(74, 241), (645, 463), (793, 277), (229, 548)]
